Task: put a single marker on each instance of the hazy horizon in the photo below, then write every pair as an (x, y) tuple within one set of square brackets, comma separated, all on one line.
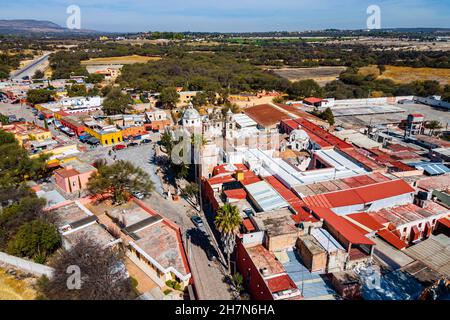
[(233, 16)]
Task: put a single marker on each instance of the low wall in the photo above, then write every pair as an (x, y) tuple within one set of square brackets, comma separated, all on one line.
[(26, 265)]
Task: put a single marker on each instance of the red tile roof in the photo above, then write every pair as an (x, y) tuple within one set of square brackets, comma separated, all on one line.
[(366, 220), (360, 195), (236, 194), (67, 173), (280, 283), (344, 227), (249, 178), (294, 201), (266, 115), (392, 239), (221, 179), (248, 225), (323, 134), (312, 100)]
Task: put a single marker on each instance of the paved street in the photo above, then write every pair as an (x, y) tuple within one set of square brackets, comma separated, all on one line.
[(208, 276)]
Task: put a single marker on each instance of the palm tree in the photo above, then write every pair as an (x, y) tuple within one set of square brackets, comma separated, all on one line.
[(227, 221)]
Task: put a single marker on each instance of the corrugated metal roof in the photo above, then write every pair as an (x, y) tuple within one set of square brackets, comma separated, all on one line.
[(433, 169), (265, 196), (326, 240)]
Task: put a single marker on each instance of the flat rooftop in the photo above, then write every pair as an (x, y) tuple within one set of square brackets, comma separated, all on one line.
[(266, 115), (433, 252), (276, 223), (163, 244), (265, 260), (69, 214), (94, 231)]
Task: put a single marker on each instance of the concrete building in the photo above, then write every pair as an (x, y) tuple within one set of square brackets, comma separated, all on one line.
[(74, 176)]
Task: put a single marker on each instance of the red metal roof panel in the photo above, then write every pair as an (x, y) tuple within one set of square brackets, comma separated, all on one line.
[(392, 239)]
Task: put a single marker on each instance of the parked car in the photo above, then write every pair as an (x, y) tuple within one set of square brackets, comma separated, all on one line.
[(119, 147), (145, 141), (133, 144), (139, 195), (197, 221)]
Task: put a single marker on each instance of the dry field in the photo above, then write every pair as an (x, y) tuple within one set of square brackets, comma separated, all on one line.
[(322, 75), (13, 289), (119, 60), (408, 74)]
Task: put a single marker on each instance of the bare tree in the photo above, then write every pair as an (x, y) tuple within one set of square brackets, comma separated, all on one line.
[(102, 274)]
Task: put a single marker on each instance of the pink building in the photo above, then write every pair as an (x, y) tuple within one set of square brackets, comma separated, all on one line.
[(74, 176)]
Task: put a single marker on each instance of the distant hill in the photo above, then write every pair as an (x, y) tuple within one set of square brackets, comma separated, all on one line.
[(34, 27)]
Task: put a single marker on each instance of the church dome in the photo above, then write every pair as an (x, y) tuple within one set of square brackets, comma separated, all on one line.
[(190, 113), (299, 135)]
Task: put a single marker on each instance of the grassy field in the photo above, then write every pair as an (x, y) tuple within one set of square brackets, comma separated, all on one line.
[(408, 74), (13, 289), (119, 60), (321, 75)]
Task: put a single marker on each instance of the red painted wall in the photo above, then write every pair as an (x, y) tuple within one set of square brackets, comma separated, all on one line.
[(253, 280)]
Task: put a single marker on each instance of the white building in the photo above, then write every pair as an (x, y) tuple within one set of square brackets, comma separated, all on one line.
[(191, 117)]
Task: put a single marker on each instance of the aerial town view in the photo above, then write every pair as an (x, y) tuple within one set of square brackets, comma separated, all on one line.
[(187, 150)]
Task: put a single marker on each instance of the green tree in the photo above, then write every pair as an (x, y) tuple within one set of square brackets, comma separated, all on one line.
[(38, 74), (238, 282), (15, 163), (169, 97), (191, 191), (432, 126), (328, 116), (227, 222), (95, 78), (117, 102), (104, 276), (77, 90), (121, 179), (305, 88), (22, 211), (35, 96), (36, 240)]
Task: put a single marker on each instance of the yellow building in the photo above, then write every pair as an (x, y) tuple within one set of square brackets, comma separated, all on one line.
[(106, 134), (27, 131)]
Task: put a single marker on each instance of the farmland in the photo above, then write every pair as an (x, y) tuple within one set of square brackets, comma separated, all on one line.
[(408, 74), (119, 60), (321, 75)]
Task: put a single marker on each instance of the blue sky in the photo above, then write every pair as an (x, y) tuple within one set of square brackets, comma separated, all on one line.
[(231, 15)]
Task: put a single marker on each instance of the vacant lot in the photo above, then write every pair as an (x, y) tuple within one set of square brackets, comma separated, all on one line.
[(13, 289), (322, 75), (119, 60), (408, 74)]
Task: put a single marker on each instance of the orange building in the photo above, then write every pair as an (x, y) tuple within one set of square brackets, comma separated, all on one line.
[(133, 131)]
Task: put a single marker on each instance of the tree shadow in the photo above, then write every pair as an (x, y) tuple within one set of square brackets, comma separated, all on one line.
[(200, 239)]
